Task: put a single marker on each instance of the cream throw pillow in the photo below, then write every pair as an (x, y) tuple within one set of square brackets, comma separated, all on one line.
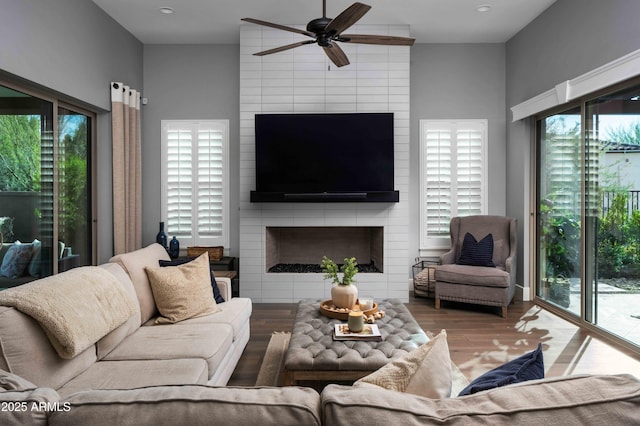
[(184, 291), (425, 371)]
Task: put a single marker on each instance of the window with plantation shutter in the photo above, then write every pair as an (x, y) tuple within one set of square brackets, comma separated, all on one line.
[(194, 177), (452, 176)]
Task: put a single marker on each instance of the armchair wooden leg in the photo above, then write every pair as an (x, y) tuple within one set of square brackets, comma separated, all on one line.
[(504, 312), (437, 303)]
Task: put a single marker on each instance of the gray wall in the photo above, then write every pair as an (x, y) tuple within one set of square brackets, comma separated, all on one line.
[(569, 39), (73, 47), (461, 81), (188, 82)]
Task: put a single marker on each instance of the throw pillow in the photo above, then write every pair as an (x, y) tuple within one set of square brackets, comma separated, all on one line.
[(216, 290), (477, 253), (35, 268), (182, 292), (529, 366), (16, 260), (426, 371)]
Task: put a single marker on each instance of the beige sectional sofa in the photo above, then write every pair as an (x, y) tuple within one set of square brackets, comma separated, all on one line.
[(577, 400), (139, 373), (202, 350)]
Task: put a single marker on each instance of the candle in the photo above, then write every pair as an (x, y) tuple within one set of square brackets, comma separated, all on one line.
[(355, 321)]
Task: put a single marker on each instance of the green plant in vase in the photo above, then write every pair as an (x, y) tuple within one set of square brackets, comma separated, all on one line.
[(344, 293)]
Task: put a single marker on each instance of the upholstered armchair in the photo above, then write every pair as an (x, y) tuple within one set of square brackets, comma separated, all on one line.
[(479, 268)]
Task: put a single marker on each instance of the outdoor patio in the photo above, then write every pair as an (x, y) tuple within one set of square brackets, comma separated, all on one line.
[(618, 310)]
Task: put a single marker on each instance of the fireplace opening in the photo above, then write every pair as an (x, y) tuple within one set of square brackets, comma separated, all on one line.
[(300, 249)]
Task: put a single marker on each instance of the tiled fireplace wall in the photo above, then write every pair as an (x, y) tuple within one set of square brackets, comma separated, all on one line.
[(303, 80)]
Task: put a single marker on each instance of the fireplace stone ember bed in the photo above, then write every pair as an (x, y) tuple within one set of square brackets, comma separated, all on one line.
[(299, 249), (312, 268)]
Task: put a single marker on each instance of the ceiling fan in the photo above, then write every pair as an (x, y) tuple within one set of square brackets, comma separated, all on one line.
[(326, 32)]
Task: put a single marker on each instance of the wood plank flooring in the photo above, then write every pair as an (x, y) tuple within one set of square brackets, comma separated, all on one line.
[(479, 339)]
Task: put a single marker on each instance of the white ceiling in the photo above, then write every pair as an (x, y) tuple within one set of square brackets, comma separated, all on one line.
[(218, 21)]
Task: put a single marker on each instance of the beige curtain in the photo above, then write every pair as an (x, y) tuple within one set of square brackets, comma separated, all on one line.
[(127, 180)]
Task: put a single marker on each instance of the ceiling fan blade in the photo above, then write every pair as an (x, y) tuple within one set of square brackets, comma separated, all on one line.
[(283, 48), (377, 39), (278, 26), (347, 18), (336, 54)]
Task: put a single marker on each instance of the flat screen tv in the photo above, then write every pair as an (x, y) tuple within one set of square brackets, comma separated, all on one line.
[(324, 157)]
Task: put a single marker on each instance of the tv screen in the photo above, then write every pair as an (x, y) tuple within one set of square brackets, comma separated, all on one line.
[(324, 153)]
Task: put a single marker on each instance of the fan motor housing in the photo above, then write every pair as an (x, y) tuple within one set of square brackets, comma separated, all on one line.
[(317, 26)]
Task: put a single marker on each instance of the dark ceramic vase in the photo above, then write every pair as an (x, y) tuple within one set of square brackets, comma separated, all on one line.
[(161, 237), (174, 248)]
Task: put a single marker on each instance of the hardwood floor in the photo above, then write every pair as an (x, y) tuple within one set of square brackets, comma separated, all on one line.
[(479, 339)]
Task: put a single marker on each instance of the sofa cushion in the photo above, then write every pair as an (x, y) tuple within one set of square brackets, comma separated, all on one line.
[(477, 253), (425, 371), (16, 261), (209, 342), (134, 263), (34, 358), (135, 374), (184, 291), (111, 340), (472, 275), (529, 366), (214, 284), (193, 405), (574, 400), (236, 312)]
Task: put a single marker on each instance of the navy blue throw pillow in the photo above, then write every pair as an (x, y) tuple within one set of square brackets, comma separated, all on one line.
[(529, 366), (216, 291), (477, 253)]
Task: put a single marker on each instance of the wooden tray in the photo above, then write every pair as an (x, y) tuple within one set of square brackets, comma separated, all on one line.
[(332, 313)]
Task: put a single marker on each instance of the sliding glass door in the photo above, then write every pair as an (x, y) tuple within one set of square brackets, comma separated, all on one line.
[(74, 188), (613, 215), (559, 209), (45, 187), (588, 211)]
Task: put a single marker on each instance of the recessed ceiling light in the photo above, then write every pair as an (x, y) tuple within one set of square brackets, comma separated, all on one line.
[(166, 10), (483, 8)]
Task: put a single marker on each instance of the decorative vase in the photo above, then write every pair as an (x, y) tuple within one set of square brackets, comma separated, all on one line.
[(161, 237), (174, 248), (344, 296)]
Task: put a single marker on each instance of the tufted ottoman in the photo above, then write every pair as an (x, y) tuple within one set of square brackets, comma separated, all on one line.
[(313, 355)]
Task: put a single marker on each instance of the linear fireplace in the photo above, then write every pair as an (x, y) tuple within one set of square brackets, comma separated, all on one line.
[(300, 249)]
